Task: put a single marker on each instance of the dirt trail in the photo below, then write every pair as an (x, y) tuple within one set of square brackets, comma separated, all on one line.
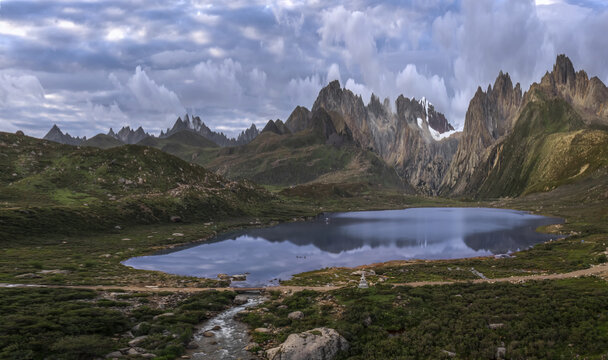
[(597, 270)]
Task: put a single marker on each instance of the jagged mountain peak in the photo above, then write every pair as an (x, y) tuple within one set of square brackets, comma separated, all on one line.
[(195, 124), (56, 135)]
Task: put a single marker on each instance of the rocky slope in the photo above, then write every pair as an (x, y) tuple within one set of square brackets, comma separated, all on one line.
[(196, 125), (126, 135), (414, 140), (552, 135), (56, 135), (490, 115)]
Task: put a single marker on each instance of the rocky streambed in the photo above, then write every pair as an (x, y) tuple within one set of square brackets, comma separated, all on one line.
[(223, 337)]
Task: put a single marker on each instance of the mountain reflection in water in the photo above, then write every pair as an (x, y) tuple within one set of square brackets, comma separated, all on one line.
[(352, 239)]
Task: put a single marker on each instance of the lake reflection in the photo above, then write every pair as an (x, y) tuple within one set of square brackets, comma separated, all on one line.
[(352, 239)]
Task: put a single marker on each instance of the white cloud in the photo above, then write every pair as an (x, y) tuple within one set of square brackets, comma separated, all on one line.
[(359, 89), (20, 90), (151, 96), (304, 91), (411, 82), (333, 73)]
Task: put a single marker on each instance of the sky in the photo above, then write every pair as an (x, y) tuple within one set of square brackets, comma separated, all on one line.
[(91, 65)]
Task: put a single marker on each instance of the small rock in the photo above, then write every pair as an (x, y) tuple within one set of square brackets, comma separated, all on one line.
[(240, 299), (138, 340), (163, 315), (216, 328), (262, 330), (501, 352), (496, 326), (296, 315), (176, 219), (223, 276), (192, 345), (126, 239), (251, 346), (239, 277), (114, 355), (136, 328), (282, 307), (367, 321), (208, 334), (118, 227), (53, 272), (28, 276), (449, 353), (132, 352), (177, 234)]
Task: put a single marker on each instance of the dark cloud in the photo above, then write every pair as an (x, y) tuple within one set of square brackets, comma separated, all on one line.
[(93, 65)]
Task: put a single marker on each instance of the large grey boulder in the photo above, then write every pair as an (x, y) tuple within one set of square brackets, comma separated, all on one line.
[(315, 344)]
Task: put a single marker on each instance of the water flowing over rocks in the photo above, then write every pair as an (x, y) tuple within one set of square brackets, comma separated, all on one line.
[(223, 337)]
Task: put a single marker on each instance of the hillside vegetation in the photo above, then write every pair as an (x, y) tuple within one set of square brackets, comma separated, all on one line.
[(49, 187), (549, 146)]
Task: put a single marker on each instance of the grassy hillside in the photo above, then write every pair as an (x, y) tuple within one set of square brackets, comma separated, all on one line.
[(186, 145), (549, 146), (102, 141), (299, 158), (49, 187)]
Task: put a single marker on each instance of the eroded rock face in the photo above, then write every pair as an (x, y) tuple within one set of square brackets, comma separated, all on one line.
[(316, 344), (491, 114), (408, 139), (588, 96)]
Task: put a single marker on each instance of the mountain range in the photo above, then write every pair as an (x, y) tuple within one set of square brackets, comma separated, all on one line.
[(126, 135), (512, 142)]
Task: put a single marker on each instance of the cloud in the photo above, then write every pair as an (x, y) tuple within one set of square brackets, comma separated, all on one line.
[(411, 82), (333, 73), (151, 96), (20, 90), (304, 91)]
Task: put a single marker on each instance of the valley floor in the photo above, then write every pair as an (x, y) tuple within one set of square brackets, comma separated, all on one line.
[(562, 279)]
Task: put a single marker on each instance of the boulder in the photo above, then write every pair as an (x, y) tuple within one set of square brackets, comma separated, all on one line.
[(316, 344), (138, 340), (239, 277), (240, 299), (114, 355), (296, 315)]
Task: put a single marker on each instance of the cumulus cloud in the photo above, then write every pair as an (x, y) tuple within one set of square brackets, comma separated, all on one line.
[(304, 91), (19, 90), (152, 96), (417, 85)]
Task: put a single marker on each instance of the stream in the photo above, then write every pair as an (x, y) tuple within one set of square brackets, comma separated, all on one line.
[(230, 339)]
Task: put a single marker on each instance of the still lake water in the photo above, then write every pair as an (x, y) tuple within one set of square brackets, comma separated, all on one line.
[(352, 239)]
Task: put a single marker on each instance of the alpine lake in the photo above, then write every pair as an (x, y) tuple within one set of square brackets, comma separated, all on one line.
[(267, 255)]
